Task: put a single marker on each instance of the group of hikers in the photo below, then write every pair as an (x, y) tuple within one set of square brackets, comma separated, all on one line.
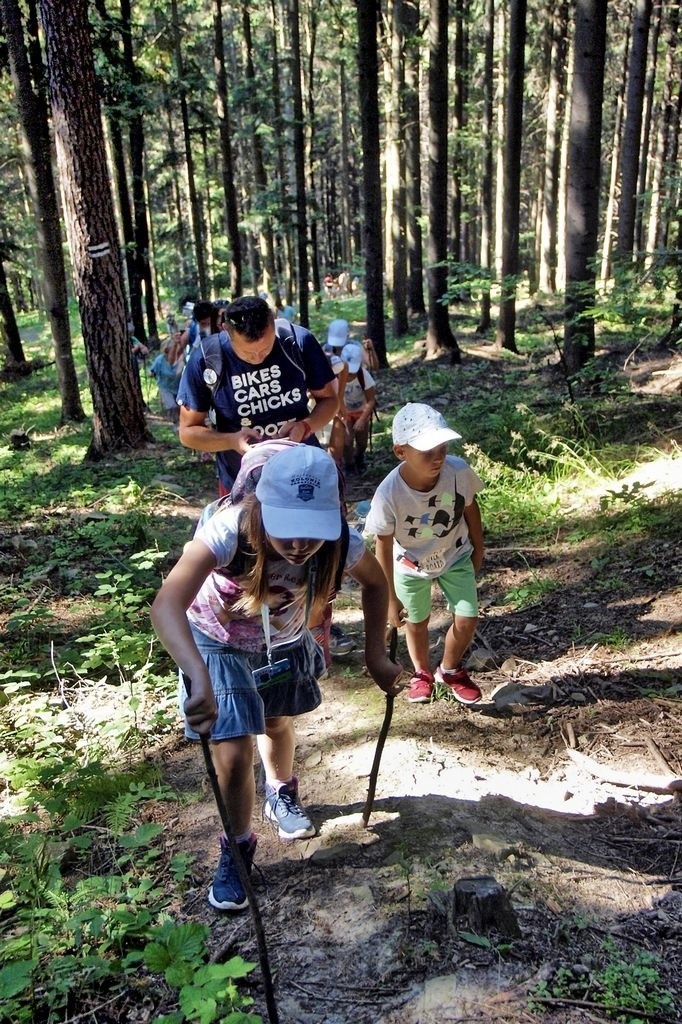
[(246, 611)]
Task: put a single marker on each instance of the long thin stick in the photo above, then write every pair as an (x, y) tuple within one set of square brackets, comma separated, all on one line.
[(273, 1016), (383, 733)]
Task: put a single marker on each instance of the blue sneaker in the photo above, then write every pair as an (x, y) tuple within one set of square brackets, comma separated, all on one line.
[(227, 891), (282, 808)]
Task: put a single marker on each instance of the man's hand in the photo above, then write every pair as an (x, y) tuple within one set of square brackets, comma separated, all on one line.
[(386, 674)]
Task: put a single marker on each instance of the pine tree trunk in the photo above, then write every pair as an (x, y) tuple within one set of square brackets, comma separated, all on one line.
[(413, 182), (395, 174), (368, 91), (550, 186), (484, 322), (647, 121), (29, 84), (633, 128), (141, 248), (607, 247), (195, 210), (439, 336), (8, 323), (118, 414), (512, 175), (226, 160), (299, 163), (582, 206)]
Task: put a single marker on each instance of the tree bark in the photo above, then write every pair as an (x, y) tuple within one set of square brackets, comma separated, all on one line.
[(195, 209), (582, 207), (29, 84), (487, 199), (413, 183), (439, 336), (141, 248), (512, 175), (227, 162), (633, 128), (368, 91), (299, 164), (395, 173), (8, 324), (118, 413), (550, 186)]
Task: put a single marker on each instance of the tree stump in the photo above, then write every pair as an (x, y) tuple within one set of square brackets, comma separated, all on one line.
[(19, 440), (485, 904)]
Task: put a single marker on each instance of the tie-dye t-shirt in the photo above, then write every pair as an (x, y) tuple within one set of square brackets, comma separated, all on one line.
[(212, 610)]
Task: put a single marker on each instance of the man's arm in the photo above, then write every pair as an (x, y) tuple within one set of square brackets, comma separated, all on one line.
[(194, 433)]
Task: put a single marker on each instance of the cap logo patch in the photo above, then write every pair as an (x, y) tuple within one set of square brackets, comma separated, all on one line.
[(306, 486)]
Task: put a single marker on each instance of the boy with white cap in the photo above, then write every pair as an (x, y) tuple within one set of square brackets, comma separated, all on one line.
[(428, 527)]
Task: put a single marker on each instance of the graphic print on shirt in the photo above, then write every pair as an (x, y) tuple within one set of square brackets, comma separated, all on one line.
[(444, 513), (260, 392)]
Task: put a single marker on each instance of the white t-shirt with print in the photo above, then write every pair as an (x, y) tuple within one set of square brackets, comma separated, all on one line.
[(429, 530), (354, 397)]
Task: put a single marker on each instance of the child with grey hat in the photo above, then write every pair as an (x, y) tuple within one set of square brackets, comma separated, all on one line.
[(428, 528)]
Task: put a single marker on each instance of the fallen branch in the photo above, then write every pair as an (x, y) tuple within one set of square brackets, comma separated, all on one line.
[(647, 781), (558, 1001)]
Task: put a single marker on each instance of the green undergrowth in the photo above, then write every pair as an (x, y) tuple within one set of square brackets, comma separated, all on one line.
[(89, 882)]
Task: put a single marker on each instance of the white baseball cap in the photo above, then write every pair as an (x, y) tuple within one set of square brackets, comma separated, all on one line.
[(352, 356), (337, 333), (421, 427), (299, 495)]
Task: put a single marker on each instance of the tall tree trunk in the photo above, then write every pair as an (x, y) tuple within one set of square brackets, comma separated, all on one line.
[(259, 176), (29, 84), (458, 106), (118, 413), (195, 208), (310, 151), (299, 163), (413, 184), (633, 128), (346, 234), (178, 216), (647, 121), (512, 175), (226, 160), (612, 200), (550, 185), (439, 334), (584, 152), (368, 92), (484, 322), (395, 173), (9, 330), (142, 263), (666, 141)]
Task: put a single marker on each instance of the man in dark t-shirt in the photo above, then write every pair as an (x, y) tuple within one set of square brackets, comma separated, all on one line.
[(263, 392)]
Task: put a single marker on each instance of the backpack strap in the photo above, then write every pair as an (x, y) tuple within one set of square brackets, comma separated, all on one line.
[(212, 351), (345, 540)]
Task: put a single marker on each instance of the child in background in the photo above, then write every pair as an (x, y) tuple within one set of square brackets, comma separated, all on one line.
[(357, 402), (166, 372), (428, 527)]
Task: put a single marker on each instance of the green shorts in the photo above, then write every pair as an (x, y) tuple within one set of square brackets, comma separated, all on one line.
[(458, 583)]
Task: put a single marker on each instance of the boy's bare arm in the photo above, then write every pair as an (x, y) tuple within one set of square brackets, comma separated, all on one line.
[(472, 515)]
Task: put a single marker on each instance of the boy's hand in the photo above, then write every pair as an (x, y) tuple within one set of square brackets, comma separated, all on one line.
[(396, 614)]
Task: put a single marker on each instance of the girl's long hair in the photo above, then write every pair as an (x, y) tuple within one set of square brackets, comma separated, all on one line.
[(253, 548)]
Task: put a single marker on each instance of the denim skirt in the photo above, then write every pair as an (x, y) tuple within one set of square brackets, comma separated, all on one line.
[(242, 707)]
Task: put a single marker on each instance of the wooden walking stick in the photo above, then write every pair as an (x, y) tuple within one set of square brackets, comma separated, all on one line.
[(273, 1016), (383, 733)]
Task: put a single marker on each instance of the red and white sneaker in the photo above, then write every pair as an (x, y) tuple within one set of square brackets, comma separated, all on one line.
[(420, 688), (457, 680)]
